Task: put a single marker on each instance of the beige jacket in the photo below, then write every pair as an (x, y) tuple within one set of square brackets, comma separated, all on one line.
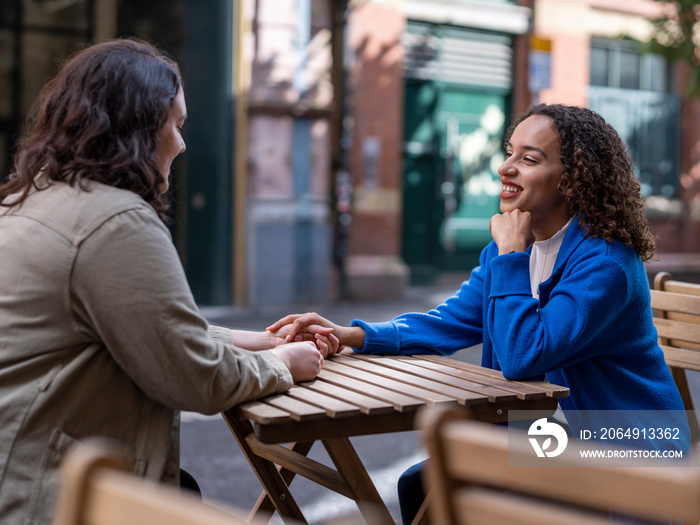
[(99, 334)]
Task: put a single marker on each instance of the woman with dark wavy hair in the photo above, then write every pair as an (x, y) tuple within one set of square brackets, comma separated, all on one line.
[(99, 332), (561, 291), (98, 120)]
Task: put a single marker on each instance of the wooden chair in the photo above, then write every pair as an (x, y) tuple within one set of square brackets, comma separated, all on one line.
[(472, 483), (676, 306), (97, 490)]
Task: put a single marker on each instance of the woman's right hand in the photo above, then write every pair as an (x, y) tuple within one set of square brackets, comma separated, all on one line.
[(303, 359)]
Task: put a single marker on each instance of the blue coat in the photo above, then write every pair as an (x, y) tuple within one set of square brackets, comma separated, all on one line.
[(591, 329)]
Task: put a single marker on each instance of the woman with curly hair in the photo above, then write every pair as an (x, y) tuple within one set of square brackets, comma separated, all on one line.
[(99, 332), (561, 291)]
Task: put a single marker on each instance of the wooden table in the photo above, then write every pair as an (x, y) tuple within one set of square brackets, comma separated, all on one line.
[(358, 395)]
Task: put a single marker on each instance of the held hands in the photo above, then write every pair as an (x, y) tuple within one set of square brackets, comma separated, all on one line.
[(326, 342), (512, 231), (303, 356), (313, 325)]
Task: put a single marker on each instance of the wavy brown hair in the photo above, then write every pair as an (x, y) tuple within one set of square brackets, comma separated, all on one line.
[(598, 181), (98, 119)]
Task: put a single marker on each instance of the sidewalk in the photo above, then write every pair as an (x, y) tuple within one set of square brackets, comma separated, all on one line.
[(416, 299), (683, 267)]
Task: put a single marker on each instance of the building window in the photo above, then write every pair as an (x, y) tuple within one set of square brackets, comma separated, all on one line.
[(632, 91), (34, 37), (621, 64)]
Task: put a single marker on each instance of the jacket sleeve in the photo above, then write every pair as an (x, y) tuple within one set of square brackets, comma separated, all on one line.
[(129, 292), (453, 325), (583, 305)]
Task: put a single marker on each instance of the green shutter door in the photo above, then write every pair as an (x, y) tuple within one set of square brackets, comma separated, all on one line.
[(457, 93)]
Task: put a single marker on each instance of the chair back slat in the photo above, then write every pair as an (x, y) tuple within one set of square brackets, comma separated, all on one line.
[(681, 358), (681, 286), (677, 302), (676, 309), (466, 455), (98, 489), (678, 333), (492, 507), (481, 453)]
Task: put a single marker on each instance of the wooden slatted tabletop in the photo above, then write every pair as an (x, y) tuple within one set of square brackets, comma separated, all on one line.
[(354, 394), (359, 395)]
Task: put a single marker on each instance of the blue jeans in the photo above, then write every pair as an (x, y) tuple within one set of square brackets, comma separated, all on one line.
[(188, 482), (411, 492)]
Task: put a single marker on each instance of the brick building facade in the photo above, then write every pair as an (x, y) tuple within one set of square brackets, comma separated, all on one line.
[(345, 149), (577, 32)]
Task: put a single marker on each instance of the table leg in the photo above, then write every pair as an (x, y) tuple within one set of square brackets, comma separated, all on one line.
[(264, 504), (346, 460), (270, 478)]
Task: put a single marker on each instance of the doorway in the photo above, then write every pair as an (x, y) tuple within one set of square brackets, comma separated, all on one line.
[(457, 96)]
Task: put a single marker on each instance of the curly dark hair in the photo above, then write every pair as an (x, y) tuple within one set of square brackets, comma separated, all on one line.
[(598, 181), (98, 119)]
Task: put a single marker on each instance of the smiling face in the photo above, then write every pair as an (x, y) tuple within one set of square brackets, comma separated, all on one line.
[(170, 142), (530, 176)]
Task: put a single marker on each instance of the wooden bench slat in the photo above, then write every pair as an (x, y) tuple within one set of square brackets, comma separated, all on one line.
[(676, 309), (675, 302), (461, 395), (478, 451), (681, 358), (682, 287), (116, 498), (482, 505), (678, 330), (484, 471)]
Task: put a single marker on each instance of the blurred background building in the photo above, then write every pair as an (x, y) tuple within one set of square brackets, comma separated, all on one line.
[(348, 148)]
